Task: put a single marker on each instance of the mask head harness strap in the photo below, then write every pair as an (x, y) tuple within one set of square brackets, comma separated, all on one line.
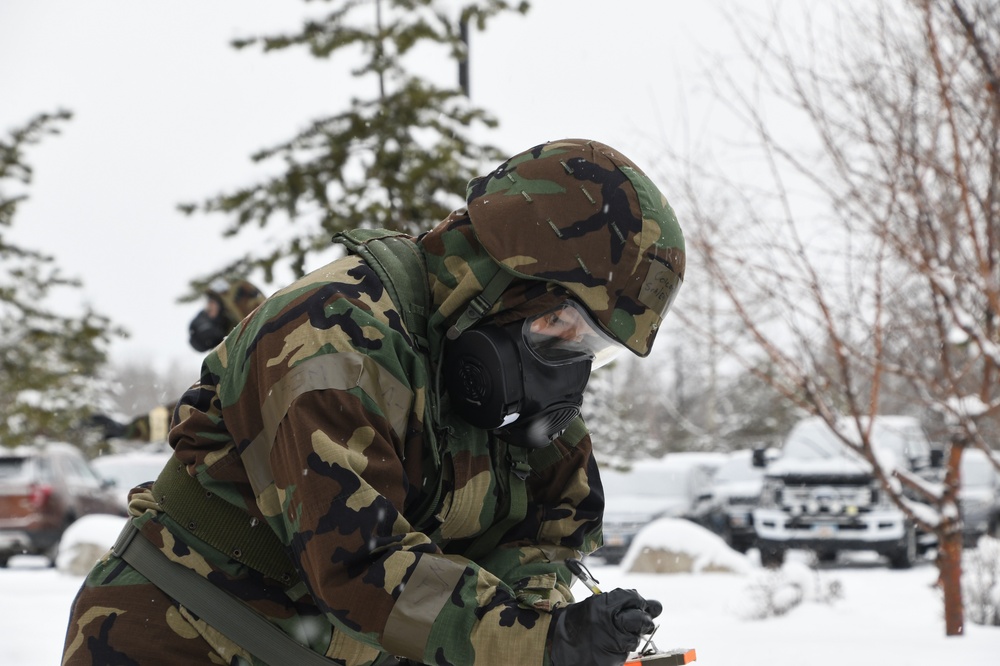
[(482, 303)]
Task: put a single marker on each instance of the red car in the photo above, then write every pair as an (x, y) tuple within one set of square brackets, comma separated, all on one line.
[(42, 491)]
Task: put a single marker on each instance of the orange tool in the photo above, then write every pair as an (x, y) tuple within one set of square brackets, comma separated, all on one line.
[(668, 658)]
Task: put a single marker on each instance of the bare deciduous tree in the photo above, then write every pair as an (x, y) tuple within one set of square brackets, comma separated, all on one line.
[(868, 261)]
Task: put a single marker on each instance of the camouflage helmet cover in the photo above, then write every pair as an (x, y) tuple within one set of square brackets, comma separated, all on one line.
[(238, 298), (579, 214)]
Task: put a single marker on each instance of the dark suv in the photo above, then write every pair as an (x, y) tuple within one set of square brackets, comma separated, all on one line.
[(42, 491), (726, 506)]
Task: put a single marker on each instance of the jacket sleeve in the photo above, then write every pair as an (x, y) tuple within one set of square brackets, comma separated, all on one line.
[(566, 505), (340, 485)]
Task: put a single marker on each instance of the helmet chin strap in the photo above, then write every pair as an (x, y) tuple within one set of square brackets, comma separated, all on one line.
[(482, 303)]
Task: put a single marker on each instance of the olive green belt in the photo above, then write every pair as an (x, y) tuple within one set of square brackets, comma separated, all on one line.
[(230, 530), (227, 614), (221, 525)]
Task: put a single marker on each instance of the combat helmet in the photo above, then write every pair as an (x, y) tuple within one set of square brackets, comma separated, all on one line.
[(580, 214), (238, 298)]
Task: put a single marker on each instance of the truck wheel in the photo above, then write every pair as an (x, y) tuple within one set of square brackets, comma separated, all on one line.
[(906, 554), (772, 557), (52, 554), (742, 545), (826, 555)]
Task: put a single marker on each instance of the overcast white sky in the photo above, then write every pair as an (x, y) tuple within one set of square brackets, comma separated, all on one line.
[(167, 112)]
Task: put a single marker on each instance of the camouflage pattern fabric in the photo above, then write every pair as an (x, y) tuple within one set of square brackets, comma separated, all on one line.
[(337, 491), (582, 215), (312, 417), (238, 298)]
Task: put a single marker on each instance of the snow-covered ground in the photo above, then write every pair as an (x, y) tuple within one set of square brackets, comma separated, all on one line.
[(855, 612)]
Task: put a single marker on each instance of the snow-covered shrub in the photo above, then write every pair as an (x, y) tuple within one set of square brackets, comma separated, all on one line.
[(86, 541), (771, 593), (775, 592), (981, 582)]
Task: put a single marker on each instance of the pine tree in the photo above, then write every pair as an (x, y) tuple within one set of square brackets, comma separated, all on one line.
[(613, 415), (48, 360), (398, 159)]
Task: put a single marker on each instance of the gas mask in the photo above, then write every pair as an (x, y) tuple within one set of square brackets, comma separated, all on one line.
[(525, 380), (205, 332)]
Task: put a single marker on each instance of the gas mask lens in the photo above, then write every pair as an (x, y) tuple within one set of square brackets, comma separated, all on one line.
[(565, 334)]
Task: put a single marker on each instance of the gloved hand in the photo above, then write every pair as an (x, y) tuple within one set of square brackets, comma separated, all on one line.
[(600, 630)]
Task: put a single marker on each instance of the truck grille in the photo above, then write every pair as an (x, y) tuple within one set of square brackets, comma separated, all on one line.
[(828, 500)]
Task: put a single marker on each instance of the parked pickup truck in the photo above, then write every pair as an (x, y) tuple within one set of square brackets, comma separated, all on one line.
[(819, 495)]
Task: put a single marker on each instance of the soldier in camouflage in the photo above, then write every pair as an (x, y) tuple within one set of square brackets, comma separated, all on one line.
[(226, 303), (411, 517)]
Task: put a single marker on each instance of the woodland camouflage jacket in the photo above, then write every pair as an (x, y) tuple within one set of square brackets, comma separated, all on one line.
[(311, 419), (317, 399)]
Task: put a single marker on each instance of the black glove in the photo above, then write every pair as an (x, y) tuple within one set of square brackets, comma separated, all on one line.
[(601, 630)]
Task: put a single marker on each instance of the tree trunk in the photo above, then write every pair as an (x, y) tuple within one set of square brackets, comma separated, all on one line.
[(949, 562), (949, 534)]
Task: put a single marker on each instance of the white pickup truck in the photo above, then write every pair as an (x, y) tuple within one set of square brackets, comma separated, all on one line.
[(819, 495)]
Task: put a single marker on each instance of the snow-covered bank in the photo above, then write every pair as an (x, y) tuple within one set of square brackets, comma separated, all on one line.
[(852, 613)]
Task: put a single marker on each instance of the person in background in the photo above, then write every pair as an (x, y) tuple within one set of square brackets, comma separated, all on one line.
[(385, 462), (226, 303)]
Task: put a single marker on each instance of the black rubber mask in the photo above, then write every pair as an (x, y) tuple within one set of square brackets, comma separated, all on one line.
[(205, 332), (525, 380), (496, 383)]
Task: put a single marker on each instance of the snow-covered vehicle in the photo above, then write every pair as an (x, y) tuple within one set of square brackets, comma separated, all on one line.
[(651, 489), (726, 507), (43, 490), (819, 495), (123, 471), (979, 497)]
